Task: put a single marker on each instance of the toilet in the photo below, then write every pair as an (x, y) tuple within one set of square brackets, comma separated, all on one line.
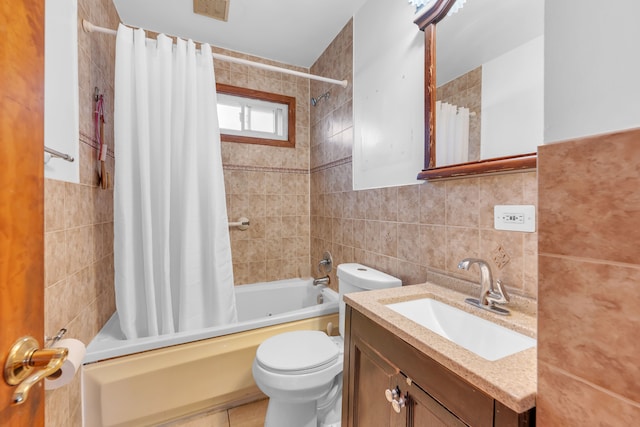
[(301, 371)]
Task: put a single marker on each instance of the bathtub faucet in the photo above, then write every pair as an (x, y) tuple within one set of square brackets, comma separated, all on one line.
[(324, 281)]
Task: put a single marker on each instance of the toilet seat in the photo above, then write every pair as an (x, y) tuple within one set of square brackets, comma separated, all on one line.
[(297, 352)]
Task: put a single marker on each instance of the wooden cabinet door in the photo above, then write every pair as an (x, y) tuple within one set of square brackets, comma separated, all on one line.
[(372, 377), (424, 411)]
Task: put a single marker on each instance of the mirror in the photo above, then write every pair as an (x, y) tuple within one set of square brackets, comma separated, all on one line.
[(484, 94)]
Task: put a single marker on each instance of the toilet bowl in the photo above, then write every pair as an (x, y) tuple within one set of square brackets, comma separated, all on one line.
[(301, 371)]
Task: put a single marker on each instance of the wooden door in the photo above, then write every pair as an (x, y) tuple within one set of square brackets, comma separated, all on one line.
[(21, 193)]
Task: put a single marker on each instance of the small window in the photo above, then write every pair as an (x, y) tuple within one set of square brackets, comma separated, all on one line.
[(254, 117)]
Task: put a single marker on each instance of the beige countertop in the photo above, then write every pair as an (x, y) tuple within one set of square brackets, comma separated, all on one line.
[(510, 380)]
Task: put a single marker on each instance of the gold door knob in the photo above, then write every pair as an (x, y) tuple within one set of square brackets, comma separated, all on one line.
[(26, 365)]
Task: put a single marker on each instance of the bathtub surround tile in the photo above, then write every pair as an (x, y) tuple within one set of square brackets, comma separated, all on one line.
[(336, 230), (241, 275), (257, 228), (257, 270), (273, 228), (256, 250), (281, 174)]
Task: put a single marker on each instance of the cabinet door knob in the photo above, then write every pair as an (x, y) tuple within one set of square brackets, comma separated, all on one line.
[(398, 404), (391, 395)]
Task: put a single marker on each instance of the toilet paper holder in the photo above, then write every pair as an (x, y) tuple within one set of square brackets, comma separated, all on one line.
[(27, 364)]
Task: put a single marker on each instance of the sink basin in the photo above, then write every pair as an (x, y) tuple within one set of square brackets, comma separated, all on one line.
[(486, 339)]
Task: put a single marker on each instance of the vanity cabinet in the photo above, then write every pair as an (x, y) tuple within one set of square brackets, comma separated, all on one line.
[(377, 363)]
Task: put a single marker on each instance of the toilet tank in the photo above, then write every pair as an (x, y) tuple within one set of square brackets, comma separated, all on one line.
[(354, 277)]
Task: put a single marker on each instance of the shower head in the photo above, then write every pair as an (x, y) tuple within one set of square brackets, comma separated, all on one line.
[(314, 101)]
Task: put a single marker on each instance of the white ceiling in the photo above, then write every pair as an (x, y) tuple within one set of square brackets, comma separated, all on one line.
[(294, 32)]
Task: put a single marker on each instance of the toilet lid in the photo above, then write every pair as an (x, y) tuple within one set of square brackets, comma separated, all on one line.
[(297, 351)]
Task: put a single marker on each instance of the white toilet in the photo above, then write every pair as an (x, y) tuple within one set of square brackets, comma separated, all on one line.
[(301, 371)]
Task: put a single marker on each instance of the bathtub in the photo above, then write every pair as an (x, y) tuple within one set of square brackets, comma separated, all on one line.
[(153, 380)]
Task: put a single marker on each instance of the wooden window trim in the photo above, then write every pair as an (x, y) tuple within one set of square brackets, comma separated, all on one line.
[(264, 96)]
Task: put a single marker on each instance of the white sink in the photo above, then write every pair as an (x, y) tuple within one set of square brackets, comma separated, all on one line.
[(486, 339)]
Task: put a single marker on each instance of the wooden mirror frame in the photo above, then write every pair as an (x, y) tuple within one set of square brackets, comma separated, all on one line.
[(427, 23)]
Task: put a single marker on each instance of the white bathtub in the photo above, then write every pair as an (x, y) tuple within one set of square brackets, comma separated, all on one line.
[(192, 372), (259, 305)]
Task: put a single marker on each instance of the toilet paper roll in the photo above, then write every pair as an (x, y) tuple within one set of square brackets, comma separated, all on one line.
[(71, 365)]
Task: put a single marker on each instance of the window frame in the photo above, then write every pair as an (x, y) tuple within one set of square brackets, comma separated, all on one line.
[(262, 96)]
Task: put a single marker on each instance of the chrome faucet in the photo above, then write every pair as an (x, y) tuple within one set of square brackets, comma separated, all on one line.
[(489, 294), (324, 281)]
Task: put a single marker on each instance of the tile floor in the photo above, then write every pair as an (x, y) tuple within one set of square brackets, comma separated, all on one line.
[(249, 415)]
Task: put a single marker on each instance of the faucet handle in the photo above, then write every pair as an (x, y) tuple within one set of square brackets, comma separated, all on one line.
[(499, 296)]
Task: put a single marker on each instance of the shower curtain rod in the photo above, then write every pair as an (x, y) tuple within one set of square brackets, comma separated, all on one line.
[(91, 28)]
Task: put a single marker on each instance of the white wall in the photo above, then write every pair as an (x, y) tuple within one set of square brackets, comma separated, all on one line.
[(388, 95), (592, 67), (61, 111)]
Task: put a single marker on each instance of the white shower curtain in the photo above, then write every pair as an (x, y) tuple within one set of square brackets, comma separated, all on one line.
[(452, 134), (172, 252)]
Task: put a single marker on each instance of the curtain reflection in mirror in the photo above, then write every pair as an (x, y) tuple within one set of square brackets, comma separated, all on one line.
[(452, 134)]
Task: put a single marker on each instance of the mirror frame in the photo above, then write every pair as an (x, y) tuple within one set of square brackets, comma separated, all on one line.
[(427, 23)]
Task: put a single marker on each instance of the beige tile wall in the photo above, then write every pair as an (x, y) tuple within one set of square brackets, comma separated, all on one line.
[(413, 232), (79, 291), (268, 185), (588, 322)]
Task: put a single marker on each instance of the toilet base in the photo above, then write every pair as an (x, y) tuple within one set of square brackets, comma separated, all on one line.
[(280, 413)]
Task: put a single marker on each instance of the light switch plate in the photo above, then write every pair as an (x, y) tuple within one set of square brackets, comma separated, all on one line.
[(515, 218)]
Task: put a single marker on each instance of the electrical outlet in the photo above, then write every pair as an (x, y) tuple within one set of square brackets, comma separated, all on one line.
[(514, 217)]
